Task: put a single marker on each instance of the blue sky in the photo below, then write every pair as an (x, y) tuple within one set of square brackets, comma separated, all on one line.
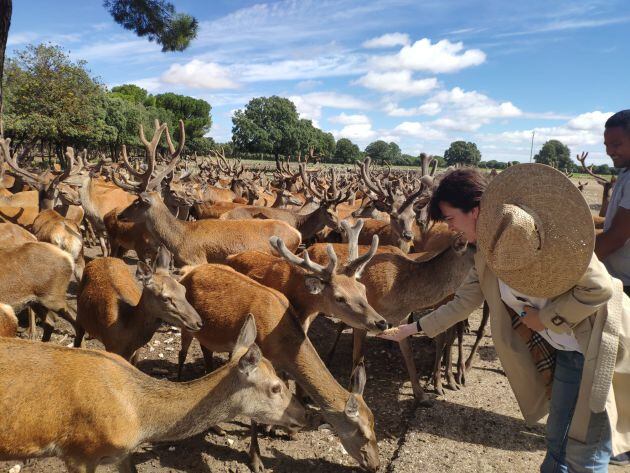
[(420, 73)]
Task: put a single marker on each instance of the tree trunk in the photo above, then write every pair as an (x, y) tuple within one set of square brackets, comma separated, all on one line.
[(6, 9)]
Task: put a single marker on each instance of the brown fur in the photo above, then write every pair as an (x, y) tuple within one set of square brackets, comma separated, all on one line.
[(112, 308), (224, 297), (13, 235), (206, 240), (129, 236), (8, 321), (88, 406), (36, 273), (213, 210)]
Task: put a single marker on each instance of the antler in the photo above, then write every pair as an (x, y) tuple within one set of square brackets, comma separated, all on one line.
[(175, 156), (306, 263), (356, 263), (12, 161), (582, 159), (377, 188)]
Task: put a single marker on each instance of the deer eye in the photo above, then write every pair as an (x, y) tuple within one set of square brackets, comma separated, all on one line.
[(340, 299), (276, 389)]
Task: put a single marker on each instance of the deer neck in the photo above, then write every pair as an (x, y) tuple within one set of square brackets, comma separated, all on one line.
[(294, 353), (175, 411), (605, 199), (142, 321), (311, 223), (430, 282), (165, 227)]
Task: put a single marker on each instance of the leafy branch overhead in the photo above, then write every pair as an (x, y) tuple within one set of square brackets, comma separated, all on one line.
[(155, 19)]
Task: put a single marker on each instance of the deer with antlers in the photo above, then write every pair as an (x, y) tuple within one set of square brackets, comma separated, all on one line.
[(605, 183), (223, 297), (399, 231), (199, 241), (86, 419)]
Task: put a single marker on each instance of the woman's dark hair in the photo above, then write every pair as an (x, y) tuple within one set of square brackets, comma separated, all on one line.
[(460, 188)]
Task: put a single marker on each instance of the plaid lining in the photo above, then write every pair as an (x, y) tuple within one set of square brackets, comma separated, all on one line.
[(543, 354)]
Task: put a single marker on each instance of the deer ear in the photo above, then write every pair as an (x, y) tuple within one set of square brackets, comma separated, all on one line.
[(144, 273), (162, 259), (314, 285), (250, 360), (352, 407), (358, 379), (247, 336)]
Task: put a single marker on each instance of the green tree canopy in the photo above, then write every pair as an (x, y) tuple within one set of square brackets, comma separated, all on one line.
[(268, 125), (379, 151), (347, 152), (194, 112), (51, 98), (132, 93), (556, 154), (155, 19), (462, 152)]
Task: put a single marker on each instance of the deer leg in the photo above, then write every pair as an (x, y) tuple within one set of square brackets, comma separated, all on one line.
[(448, 359), (32, 324), (418, 392), (186, 340), (78, 338), (440, 342), (358, 339), (332, 350), (127, 466), (74, 467), (101, 240), (480, 334), (460, 376), (208, 359), (255, 462)]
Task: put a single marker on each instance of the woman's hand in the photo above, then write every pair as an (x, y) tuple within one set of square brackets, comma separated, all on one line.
[(399, 333), (532, 319)]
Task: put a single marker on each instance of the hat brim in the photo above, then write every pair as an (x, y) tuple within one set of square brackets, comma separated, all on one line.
[(566, 220)]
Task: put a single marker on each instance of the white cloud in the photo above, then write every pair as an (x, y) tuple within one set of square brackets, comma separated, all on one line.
[(150, 84), (593, 121), (397, 82), (200, 75), (428, 108), (310, 105), (387, 41), (134, 50), (308, 84), (357, 132), (440, 57), (345, 119), (21, 38), (294, 69), (418, 130)]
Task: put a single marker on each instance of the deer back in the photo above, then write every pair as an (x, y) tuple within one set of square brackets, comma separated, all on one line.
[(8, 321)]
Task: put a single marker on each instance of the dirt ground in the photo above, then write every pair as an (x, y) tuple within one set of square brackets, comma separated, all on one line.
[(475, 429)]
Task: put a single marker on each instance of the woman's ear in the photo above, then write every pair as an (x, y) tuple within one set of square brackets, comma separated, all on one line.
[(475, 212)]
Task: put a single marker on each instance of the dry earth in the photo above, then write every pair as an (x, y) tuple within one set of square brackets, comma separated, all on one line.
[(475, 429)]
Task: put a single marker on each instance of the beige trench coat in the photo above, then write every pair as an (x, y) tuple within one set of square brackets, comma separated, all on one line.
[(598, 313)]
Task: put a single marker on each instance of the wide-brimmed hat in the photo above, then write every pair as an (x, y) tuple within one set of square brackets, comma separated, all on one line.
[(535, 230)]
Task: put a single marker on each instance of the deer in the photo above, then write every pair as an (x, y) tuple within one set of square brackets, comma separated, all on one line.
[(312, 288), (605, 183), (112, 309), (129, 236), (396, 286), (8, 321), (12, 235), (118, 407), (37, 275), (223, 297), (200, 241), (307, 224), (399, 230)]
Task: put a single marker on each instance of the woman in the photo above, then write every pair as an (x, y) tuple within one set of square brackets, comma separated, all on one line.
[(560, 323)]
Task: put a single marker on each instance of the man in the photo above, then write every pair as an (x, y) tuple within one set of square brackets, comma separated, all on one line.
[(613, 245)]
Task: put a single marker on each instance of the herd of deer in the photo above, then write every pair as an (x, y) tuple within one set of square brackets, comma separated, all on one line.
[(241, 260)]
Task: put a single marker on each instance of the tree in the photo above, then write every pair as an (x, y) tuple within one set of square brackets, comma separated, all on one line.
[(378, 151), (347, 152), (52, 99), (556, 154), (393, 153), (462, 152), (155, 19), (194, 112), (132, 93), (267, 125)]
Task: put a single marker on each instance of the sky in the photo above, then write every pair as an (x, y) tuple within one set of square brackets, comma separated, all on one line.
[(421, 73)]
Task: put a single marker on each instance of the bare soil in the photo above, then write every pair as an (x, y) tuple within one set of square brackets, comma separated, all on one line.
[(475, 429)]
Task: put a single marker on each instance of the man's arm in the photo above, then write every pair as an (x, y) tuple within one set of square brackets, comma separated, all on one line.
[(616, 236)]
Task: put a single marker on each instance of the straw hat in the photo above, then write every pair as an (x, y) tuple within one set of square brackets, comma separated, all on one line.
[(535, 230)]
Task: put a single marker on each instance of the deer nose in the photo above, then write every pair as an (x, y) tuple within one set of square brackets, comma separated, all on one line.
[(407, 235), (382, 325)]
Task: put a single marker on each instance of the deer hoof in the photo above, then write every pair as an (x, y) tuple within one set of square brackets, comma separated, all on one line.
[(256, 465)]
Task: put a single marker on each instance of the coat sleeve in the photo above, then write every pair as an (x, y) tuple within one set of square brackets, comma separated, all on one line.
[(468, 297), (590, 293)]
